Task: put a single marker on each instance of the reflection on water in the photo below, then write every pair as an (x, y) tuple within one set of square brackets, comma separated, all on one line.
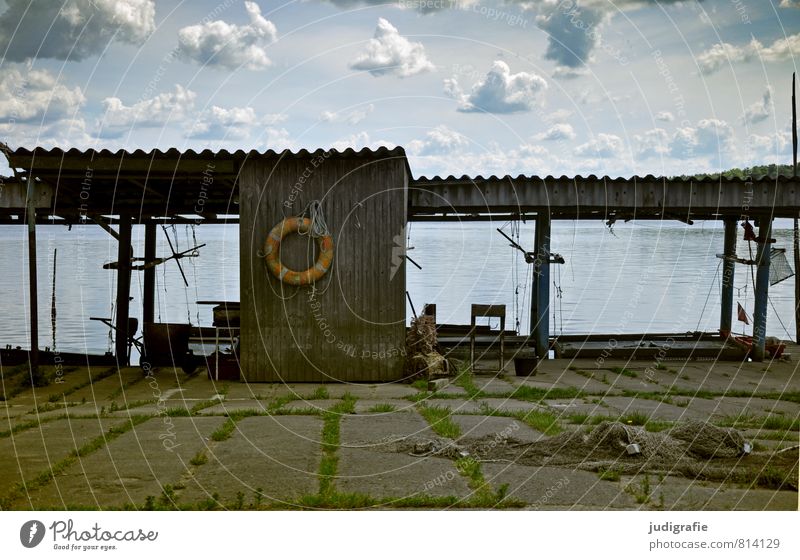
[(642, 277)]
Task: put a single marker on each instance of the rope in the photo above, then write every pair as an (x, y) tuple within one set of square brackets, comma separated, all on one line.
[(697, 328), (779, 319), (318, 226)]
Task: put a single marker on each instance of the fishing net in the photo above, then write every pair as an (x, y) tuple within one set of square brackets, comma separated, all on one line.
[(779, 269), (690, 449)]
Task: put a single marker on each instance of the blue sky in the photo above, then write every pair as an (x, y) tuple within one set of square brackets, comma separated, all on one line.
[(466, 86)]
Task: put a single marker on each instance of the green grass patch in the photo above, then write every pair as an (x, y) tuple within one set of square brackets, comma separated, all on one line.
[(199, 459), (611, 475), (440, 420), (381, 408), (538, 394), (625, 372)]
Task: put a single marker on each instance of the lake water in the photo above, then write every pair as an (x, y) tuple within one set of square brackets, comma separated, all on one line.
[(645, 276)]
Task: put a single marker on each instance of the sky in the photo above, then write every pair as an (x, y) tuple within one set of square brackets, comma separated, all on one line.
[(548, 87)]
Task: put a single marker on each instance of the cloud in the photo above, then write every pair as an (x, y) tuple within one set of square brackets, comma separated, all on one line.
[(572, 33), (388, 52), (440, 140), (559, 115), (72, 29), (652, 143), (353, 116), (724, 53), (236, 123), (561, 131), (36, 96), (709, 137), (665, 116), (147, 113), (229, 46), (601, 146), (760, 110), (500, 91)]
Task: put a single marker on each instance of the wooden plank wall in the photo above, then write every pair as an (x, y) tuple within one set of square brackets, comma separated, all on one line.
[(351, 326)]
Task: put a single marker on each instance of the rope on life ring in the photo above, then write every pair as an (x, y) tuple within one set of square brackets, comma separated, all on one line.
[(272, 252)]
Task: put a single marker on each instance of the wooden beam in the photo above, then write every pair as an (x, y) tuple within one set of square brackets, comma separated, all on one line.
[(123, 289)]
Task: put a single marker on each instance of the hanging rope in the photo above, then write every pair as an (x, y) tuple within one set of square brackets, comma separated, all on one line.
[(319, 228), (713, 281)]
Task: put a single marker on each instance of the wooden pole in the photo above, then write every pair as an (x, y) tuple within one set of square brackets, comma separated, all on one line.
[(796, 228), (32, 279), (123, 290), (149, 298), (540, 322), (728, 270), (762, 289)]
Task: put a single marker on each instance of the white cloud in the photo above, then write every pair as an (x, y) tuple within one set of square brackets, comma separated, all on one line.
[(72, 29), (665, 116), (388, 52), (229, 46), (722, 54), (760, 110), (36, 96), (236, 123), (147, 113), (709, 137), (353, 116), (561, 131), (559, 115), (440, 140), (601, 146), (652, 143), (500, 91)]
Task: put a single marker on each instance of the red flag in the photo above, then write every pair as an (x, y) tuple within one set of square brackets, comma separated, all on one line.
[(741, 314)]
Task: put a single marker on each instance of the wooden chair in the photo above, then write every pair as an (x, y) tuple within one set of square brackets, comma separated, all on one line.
[(492, 311)]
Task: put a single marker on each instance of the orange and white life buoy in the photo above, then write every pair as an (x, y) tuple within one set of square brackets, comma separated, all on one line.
[(272, 253)]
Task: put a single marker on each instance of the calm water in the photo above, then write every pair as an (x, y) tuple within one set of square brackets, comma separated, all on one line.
[(643, 277)]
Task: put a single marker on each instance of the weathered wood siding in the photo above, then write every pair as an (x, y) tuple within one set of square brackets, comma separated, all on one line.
[(351, 325)]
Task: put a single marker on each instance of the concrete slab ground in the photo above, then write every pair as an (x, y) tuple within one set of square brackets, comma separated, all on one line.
[(473, 427), (654, 409), (26, 454), (284, 455), (393, 475), (130, 468), (279, 455), (549, 486)]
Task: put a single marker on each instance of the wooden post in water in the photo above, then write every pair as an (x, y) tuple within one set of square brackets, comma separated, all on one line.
[(762, 289), (123, 289), (30, 216), (540, 321), (796, 228), (149, 297), (728, 271)]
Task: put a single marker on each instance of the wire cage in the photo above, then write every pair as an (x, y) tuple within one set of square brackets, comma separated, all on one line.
[(779, 268)]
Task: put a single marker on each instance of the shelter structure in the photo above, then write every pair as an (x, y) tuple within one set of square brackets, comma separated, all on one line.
[(349, 325)]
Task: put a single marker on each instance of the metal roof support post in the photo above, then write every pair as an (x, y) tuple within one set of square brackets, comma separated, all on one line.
[(123, 290), (762, 289), (728, 271), (30, 216), (540, 299)]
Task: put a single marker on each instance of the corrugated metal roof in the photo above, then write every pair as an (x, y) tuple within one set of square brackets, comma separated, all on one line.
[(204, 154), (595, 179)]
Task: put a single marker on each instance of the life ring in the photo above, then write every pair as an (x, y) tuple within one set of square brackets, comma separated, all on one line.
[(272, 253)]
